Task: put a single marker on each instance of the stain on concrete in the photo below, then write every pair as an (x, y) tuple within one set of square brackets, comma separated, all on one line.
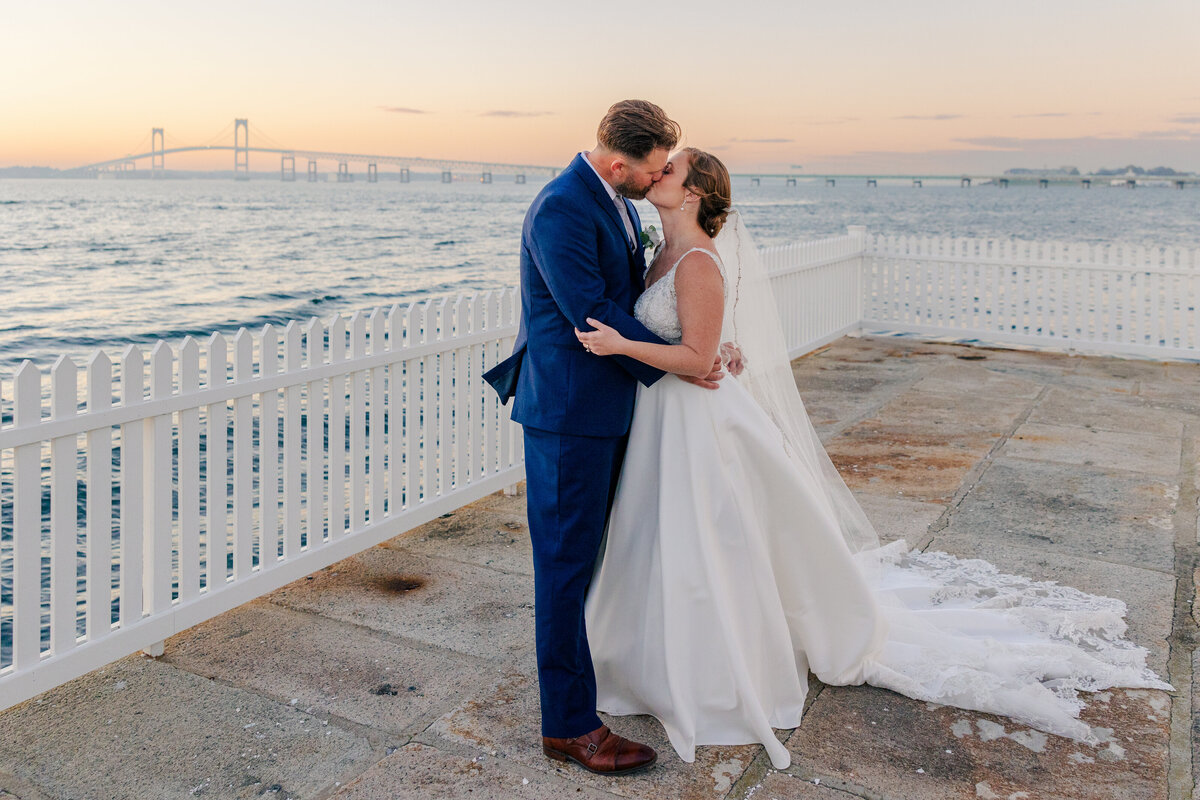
[(401, 584)]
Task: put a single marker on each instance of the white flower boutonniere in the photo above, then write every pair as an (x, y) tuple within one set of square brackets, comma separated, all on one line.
[(651, 237)]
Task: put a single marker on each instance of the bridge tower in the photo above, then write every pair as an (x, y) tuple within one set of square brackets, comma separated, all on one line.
[(158, 161), (241, 149), (287, 167), (312, 171)]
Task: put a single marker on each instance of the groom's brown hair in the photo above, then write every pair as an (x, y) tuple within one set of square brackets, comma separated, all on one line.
[(635, 128)]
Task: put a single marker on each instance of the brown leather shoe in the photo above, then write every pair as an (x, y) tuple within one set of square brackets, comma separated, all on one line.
[(601, 751)]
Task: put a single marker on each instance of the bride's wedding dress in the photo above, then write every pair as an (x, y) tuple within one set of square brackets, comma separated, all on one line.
[(729, 571)]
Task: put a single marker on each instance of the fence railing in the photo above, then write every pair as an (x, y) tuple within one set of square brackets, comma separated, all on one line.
[(231, 469), (235, 467), (1103, 299), (817, 288)]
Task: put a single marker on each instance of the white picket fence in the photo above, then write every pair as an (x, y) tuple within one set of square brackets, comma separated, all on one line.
[(817, 288), (1101, 299), (158, 503)]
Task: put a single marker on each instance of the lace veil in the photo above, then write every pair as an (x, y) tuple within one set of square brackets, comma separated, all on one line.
[(752, 322)]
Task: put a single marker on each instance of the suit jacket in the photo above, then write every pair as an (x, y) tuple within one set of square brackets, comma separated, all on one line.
[(575, 263)]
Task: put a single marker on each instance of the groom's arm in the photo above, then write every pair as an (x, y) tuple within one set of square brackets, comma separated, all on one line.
[(565, 254)]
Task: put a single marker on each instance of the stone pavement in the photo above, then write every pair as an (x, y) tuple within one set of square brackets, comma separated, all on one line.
[(407, 671)]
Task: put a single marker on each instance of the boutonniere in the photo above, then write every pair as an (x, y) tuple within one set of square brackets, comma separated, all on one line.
[(651, 237)]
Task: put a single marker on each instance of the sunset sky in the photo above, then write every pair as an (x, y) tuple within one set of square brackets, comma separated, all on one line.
[(854, 85)]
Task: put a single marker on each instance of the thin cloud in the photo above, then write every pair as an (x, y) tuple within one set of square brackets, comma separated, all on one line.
[(1187, 119), (1021, 143), (1173, 134), (512, 114), (931, 117), (764, 141), (834, 121), (1044, 114), (403, 110)]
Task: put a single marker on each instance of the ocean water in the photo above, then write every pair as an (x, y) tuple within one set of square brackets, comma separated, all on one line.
[(100, 264)]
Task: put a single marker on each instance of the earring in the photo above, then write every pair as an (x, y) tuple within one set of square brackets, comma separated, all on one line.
[(684, 206)]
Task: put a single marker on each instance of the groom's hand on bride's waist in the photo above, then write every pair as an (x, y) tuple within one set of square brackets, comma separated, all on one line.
[(709, 381), (735, 361)]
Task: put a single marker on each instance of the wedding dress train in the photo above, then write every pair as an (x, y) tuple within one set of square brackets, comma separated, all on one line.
[(726, 577)]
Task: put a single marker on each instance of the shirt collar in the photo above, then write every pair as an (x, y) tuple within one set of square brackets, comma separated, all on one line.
[(612, 193)]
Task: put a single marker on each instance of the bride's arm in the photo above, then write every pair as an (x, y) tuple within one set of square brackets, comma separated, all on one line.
[(700, 302)]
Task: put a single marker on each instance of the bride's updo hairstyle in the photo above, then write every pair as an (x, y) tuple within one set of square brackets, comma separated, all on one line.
[(708, 178)]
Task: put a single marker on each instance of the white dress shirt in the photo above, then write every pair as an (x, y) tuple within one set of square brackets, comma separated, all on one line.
[(618, 201)]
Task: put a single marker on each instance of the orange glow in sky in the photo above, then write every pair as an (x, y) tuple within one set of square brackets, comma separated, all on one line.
[(831, 86)]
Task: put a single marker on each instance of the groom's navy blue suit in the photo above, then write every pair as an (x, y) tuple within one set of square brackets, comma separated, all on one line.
[(576, 262)]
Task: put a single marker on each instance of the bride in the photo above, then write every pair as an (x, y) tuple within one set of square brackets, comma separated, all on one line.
[(736, 560)]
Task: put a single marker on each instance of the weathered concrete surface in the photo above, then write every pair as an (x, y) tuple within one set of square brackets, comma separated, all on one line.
[(882, 744), (140, 728), (419, 772), (438, 601), (408, 671), (1106, 515)]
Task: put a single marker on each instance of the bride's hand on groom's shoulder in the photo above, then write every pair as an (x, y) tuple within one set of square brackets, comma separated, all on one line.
[(603, 341)]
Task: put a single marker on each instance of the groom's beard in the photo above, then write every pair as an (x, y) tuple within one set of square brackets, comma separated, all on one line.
[(632, 191)]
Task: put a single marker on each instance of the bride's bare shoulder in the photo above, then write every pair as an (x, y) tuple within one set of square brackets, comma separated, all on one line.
[(699, 268)]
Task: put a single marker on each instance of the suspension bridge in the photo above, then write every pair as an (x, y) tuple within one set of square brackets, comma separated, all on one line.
[(241, 148), (452, 168)]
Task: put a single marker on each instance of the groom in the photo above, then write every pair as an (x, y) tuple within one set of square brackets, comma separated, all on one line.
[(581, 256)]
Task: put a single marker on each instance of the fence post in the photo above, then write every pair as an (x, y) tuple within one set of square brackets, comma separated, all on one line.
[(859, 233)]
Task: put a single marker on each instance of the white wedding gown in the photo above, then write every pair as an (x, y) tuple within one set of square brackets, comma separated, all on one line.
[(725, 578)]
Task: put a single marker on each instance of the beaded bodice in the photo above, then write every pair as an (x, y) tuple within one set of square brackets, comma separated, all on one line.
[(657, 308)]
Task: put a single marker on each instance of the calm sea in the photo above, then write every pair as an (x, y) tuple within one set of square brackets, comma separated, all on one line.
[(87, 264), (100, 264)]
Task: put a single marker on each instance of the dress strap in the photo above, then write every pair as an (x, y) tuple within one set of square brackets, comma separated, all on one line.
[(702, 250), (715, 258)]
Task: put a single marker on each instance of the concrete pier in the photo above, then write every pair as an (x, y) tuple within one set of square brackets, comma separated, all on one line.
[(407, 671)]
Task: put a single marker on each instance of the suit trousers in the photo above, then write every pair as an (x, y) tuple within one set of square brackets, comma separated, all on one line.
[(570, 484)]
